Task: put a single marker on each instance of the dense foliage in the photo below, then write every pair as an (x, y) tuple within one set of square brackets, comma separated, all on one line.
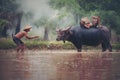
[(108, 10), (10, 14)]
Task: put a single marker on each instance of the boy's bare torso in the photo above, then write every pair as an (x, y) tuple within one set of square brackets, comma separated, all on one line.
[(21, 34)]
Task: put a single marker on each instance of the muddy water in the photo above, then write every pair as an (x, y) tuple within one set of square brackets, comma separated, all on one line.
[(59, 65)]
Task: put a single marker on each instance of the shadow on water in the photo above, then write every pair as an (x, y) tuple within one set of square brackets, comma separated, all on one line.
[(57, 65)]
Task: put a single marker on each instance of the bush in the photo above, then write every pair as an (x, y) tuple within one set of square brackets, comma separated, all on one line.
[(116, 46), (6, 43)]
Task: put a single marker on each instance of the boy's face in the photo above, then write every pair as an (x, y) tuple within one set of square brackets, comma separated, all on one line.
[(88, 25), (95, 21), (28, 30)]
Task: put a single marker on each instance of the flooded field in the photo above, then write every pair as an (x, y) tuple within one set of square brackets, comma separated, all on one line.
[(60, 65)]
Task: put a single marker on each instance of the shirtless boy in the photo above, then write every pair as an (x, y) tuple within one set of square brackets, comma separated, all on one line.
[(17, 38), (85, 22)]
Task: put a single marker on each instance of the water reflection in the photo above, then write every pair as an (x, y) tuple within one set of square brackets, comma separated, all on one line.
[(43, 65), (12, 68), (85, 67)]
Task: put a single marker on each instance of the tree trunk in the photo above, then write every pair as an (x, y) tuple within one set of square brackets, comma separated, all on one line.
[(118, 38), (46, 31), (76, 17), (4, 32), (19, 16)]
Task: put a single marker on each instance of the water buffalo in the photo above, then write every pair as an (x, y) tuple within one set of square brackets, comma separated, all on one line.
[(80, 36)]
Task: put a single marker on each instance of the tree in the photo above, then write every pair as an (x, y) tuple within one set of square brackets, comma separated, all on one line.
[(108, 10), (48, 24), (71, 6), (19, 16), (8, 12), (2, 29)]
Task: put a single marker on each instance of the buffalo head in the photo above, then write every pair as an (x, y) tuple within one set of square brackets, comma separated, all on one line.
[(63, 34)]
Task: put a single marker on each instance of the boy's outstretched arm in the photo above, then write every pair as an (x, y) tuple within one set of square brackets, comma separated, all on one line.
[(29, 37)]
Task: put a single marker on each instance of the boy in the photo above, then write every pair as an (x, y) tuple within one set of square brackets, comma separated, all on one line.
[(85, 22), (21, 34), (95, 21)]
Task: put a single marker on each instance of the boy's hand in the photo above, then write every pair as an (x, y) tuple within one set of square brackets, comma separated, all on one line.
[(36, 36)]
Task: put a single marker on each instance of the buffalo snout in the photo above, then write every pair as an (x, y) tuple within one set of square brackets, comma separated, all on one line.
[(58, 39)]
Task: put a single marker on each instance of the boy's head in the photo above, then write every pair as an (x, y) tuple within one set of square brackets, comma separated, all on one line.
[(85, 22), (95, 20), (27, 28)]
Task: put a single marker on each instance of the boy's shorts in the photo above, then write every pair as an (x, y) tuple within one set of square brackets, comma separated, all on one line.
[(17, 41)]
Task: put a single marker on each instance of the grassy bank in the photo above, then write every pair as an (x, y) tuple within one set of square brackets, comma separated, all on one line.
[(7, 43)]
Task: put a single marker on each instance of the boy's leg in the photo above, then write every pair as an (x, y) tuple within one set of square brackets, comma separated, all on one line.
[(20, 52), (18, 43), (22, 48), (18, 49)]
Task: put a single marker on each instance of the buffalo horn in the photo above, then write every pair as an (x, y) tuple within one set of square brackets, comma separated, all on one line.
[(67, 28)]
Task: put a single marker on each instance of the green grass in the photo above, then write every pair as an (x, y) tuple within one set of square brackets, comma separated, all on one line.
[(7, 43)]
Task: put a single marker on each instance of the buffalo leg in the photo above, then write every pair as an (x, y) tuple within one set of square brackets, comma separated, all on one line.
[(110, 47), (79, 50), (103, 47), (79, 47)]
